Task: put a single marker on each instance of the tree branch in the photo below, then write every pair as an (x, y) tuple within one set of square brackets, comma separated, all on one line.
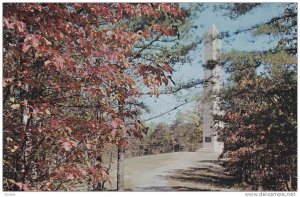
[(188, 85), (167, 111), (145, 47)]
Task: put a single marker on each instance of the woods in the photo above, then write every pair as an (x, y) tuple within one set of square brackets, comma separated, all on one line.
[(260, 132), (75, 77), (72, 80), (184, 134)]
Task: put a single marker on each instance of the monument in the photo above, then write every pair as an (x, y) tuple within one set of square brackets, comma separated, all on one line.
[(211, 99)]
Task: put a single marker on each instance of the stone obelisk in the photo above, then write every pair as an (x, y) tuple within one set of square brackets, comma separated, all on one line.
[(211, 89)]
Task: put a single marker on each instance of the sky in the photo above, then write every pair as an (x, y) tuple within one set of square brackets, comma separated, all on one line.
[(194, 70)]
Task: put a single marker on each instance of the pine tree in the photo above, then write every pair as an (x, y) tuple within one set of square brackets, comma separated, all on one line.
[(260, 133)]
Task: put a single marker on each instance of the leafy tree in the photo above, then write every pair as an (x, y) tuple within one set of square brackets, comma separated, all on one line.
[(187, 130), (184, 134), (160, 139), (70, 78), (260, 132)]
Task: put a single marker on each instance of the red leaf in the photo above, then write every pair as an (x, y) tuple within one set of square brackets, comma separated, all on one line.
[(7, 81), (35, 42), (26, 72), (71, 64), (58, 63), (132, 92), (146, 34), (26, 47), (88, 146), (83, 172), (70, 177), (25, 187), (28, 81), (67, 146), (55, 85), (122, 142), (45, 41), (167, 68), (20, 185), (58, 35), (54, 123), (116, 122), (120, 13), (167, 32), (82, 42), (8, 25), (21, 26), (165, 80), (114, 133), (74, 143)]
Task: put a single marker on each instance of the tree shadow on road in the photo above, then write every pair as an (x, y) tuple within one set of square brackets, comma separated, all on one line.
[(206, 176)]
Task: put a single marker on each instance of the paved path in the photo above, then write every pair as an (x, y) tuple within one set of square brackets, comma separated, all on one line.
[(180, 171)]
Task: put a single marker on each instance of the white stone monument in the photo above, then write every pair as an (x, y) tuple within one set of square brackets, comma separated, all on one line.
[(211, 99)]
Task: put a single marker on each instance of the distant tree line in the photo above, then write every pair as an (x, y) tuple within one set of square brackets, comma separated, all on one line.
[(183, 134)]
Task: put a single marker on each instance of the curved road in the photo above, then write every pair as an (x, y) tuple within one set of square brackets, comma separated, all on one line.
[(180, 171)]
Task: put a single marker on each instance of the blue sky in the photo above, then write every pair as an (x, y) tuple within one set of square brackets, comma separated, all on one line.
[(194, 70)]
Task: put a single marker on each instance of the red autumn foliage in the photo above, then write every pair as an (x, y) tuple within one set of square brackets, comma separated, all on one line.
[(67, 86)]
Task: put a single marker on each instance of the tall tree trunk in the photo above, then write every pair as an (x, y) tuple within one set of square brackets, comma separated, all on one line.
[(121, 157), (25, 118), (120, 168)]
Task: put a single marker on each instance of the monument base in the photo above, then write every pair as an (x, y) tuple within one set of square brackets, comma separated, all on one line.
[(216, 147), (208, 150)]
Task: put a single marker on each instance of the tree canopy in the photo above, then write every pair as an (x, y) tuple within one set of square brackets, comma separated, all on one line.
[(260, 109), (72, 78)]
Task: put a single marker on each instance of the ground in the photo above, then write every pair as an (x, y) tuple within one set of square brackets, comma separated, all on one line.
[(179, 171)]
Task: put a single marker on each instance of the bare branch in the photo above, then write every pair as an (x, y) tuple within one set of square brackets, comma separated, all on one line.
[(145, 47), (188, 85), (167, 111)]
